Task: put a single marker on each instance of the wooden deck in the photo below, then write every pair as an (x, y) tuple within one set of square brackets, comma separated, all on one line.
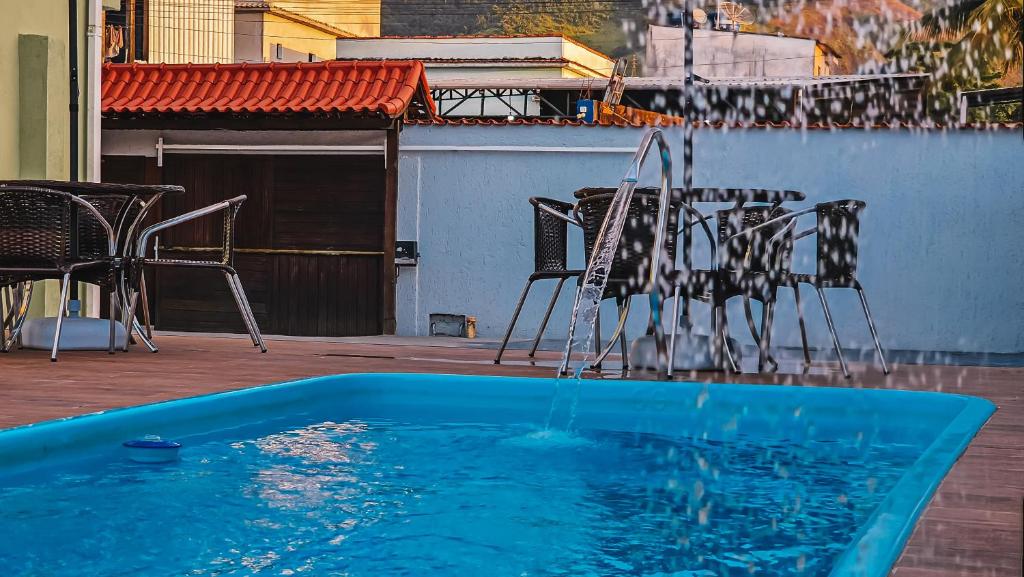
[(972, 527)]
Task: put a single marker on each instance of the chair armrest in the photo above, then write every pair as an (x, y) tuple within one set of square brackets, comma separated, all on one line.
[(779, 219), (111, 235), (552, 206), (229, 207), (703, 221)]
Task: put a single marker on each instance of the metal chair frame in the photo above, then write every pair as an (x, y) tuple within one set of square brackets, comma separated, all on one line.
[(225, 265), (749, 275)]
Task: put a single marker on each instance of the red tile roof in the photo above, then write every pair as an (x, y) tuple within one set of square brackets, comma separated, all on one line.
[(639, 123), (382, 88)]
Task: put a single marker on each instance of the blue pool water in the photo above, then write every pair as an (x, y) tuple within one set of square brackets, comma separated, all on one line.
[(362, 482)]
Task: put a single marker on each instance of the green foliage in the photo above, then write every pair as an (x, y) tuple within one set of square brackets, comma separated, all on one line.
[(567, 17), (943, 61)]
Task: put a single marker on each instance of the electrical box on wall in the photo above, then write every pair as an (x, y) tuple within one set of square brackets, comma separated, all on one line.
[(407, 253)]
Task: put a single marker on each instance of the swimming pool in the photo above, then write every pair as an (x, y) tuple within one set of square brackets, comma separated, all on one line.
[(449, 475)]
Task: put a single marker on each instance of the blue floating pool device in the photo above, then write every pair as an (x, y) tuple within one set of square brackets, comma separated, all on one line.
[(152, 449)]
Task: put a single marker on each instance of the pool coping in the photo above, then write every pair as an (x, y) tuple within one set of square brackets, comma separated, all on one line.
[(872, 551)]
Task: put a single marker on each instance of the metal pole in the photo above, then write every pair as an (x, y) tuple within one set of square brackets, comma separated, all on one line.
[(688, 112)]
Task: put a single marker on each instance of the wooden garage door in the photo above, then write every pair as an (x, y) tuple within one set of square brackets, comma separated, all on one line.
[(310, 242)]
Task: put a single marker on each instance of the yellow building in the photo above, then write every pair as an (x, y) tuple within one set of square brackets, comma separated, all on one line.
[(225, 31)]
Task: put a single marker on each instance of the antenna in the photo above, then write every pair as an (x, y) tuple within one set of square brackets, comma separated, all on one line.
[(733, 16)]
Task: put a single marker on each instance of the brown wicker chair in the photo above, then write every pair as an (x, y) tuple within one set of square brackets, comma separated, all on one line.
[(39, 240), (225, 265)]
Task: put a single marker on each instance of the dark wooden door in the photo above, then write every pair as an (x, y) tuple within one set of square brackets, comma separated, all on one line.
[(309, 238)]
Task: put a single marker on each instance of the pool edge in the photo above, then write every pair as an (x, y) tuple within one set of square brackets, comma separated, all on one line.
[(878, 545)]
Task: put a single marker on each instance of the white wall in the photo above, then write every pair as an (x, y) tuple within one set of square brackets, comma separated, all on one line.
[(718, 54), (942, 255)]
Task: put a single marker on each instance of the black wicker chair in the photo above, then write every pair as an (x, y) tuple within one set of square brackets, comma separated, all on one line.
[(838, 231), (750, 258), (630, 271), (40, 239), (550, 240), (229, 209)]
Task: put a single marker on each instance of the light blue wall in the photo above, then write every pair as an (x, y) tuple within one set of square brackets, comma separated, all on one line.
[(942, 247)]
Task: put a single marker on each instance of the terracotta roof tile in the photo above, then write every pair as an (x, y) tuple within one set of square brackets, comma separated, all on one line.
[(347, 87), (623, 123)]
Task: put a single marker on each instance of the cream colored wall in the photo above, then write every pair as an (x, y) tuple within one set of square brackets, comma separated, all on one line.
[(298, 37), (195, 31), (47, 18), (357, 17)]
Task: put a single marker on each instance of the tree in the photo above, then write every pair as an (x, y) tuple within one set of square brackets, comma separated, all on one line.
[(965, 45), (984, 33), (568, 17)]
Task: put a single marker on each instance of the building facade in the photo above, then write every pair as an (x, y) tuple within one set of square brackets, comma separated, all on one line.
[(229, 31), (729, 54), (479, 61)]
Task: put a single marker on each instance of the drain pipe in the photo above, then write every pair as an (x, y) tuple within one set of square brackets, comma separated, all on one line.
[(73, 86), (93, 72), (688, 98)]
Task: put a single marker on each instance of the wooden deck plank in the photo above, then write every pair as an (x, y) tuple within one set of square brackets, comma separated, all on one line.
[(972, 527)]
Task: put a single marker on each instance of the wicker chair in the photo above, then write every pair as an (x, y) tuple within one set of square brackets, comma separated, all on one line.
[(630, 270), (838, 231), (39, 240), (750, 258), (550, 240), (225, 265)]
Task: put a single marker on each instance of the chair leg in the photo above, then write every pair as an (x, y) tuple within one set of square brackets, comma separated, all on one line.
[(65, 285), (832, 330), (623, 341), (767, 316), (674, 331), (717, 354), (113, 321), (733, 365), (235, 284), (23, 298), (128, 318), (139, 330), (547, 315), (871, 327), (241, 306), (803, 328), (252, 316), (143, 293), (512, 323)]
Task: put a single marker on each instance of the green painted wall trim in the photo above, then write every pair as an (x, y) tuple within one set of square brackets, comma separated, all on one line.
[(33, 63)]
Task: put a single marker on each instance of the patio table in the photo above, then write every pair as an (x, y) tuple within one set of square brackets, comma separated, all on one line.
[(148, 195), (738, 196)]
